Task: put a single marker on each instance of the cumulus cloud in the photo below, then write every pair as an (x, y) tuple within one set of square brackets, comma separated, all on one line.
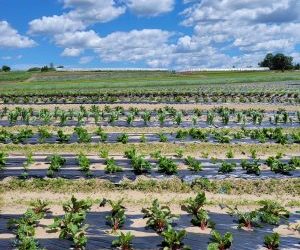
[(78, 39), (82, 13), (151, 7), (134, 46), (71, 52), (250, 28), (10, 38), (55, 24), (86, 59)]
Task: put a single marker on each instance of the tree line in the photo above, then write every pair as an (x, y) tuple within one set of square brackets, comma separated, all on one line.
[(279, 61)]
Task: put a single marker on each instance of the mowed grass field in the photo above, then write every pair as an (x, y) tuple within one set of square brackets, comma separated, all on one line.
[(115, 80)]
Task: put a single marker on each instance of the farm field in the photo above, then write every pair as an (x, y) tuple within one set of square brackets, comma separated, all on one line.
[(150, 160)]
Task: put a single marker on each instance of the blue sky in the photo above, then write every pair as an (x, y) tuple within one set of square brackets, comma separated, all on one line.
[(147, 33)]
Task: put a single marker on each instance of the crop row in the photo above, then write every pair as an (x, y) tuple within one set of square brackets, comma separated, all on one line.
[(166, 165), (160, 97), (72, 224), (81, 135), (163, 116)]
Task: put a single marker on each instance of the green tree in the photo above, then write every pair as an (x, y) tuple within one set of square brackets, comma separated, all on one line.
[(277, 62), (6, 68)]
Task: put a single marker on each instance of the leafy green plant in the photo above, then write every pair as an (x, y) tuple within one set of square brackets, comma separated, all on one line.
[(43, 135), (130, 153), (124, 241), (227, 167), (245, 219), (104, 153), (202, 220), (140, 165), (173, 240), (179, 153), (56, 162), (77, 206), (123, 138), (24, 227), (193, 205), (167, 166), (72, 224), (278, 166), (162, 137), (156, 154), (251, 167), (111, 166), (83, 135), (182, 134), (159, 217), (40, 207), (63, 138), (117, 217), (84, 164), (28, 161), (230, 154), (3, 160), (271, 212), (219, 242), (272, 241), (295, 161), (103, 136), (193, 164)]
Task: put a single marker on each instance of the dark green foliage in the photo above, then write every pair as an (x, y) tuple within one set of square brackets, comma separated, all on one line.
[(219, 242), (111, 166), (63, 138), (167, 166), (271, 212), (84, 164), (124, 241), (72, 225), (117, 217), (272, 241), (123, 138), (278, 166), (251, 167), (193, 205), (227, 167), (173, 240), (277, 62), (159, 217), (56, 162), (202, 220), (193, 164), (83, 135)]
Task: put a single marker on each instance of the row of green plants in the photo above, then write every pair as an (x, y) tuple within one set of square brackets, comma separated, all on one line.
[(205, 96), (169, 166), (81, 135), (72, 224), (112, 115)]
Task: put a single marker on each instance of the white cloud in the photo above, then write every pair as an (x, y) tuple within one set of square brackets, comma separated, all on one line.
[(10, 38), (252, 27), (78, 39), (71, 52), (86, 59), (134, 46), (151, 7), (225, 33), (82, 14), (54, 24)]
